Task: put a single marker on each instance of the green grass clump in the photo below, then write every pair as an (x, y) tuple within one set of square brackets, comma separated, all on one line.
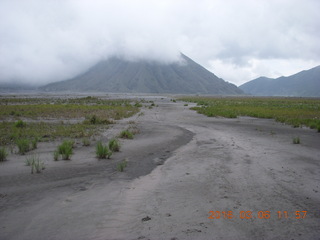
[(65, 149), (97, 120), (102, 151), (137, 104), (121, 166), (3, 154), (296, 140), (34, 143), (23, 145), (126, 134), (20, 124), (85, 142), (114, 145), (35, 163), (56, 155)]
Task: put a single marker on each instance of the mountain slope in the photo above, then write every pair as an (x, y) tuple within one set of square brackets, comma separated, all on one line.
[(16, 87), (116, 75), (302, 84)]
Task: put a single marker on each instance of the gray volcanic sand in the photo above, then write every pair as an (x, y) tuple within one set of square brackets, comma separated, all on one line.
[(180, 166)]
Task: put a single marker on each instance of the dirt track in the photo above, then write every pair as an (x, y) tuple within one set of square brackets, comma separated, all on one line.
[(212, 164)]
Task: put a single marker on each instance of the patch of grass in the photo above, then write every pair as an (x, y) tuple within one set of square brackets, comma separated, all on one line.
[(99, 114), (296, 140), (137, 104), (56, 155), (97, 120), (293, 111), (126, 134), (34, 143), (114, 145), (23, 146), (185, 105), (102, 151), (65, 149), (28, 161), (20, 124), (122, 165), (86, 142), (3, 154), (35, 163)]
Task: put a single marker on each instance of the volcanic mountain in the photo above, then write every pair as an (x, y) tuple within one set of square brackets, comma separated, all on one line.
[(302, 84), (121, 76)]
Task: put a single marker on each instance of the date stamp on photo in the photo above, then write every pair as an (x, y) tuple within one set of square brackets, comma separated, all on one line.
[(257, 215)]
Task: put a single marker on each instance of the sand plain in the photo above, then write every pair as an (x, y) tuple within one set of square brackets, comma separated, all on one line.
[(181, 166)]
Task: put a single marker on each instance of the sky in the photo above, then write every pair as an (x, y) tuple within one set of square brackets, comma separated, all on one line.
[(238, 40)]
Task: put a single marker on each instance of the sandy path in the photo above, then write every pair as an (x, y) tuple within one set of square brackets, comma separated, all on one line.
[(212, 164)]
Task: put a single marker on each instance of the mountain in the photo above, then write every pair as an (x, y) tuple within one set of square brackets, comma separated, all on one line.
[(16, 87), (120, 76), (302, 84)]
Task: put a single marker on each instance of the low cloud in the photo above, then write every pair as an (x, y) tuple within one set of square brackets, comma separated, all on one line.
[(45, 41)]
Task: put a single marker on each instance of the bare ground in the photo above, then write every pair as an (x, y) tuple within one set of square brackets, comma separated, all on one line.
[(180, 166)]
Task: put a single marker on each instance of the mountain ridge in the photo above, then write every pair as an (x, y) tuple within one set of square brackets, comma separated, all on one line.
[(115, 75), (305, 83)]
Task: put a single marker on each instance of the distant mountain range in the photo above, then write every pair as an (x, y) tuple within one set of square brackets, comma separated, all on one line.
[(16, 87), (120, 76), (302, 84)]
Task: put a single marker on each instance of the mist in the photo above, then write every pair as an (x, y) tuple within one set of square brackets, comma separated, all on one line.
[(47, 41)]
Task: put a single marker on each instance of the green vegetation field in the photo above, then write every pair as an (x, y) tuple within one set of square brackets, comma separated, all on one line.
[(48, 118), (294, 111)]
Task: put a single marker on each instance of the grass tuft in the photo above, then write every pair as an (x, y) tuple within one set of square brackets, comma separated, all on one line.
[(65, 149), (23, 146), (35, 163), (126, 134), (20, 124), (86, 142), (56, 155), (102, 151), (114, 145), (296, 140), (34, 143), (122, 165), (3, 154)]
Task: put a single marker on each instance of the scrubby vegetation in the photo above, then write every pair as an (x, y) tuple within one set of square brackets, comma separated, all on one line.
[(102, 151), (294, 111), (35, 163), (122, 165), (86, 142), (23, 145), (65, 149), (296, 140), (20, 124), (3, 154), (89, 116), (126, 134), (114, 145)]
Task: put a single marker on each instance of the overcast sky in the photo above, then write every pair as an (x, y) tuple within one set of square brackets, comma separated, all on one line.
[(42, 41)]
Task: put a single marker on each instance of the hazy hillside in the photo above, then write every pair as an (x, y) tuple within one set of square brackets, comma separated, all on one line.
[(116, 75), (302, 84), (16, 87)]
